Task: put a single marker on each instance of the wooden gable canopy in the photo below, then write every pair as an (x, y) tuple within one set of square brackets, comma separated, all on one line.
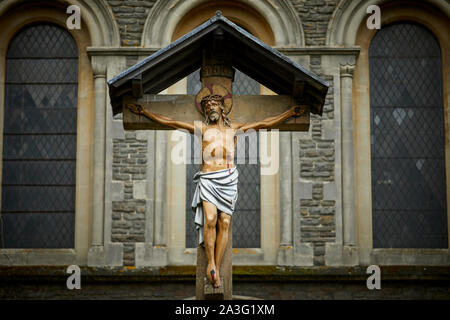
[(251, 56)]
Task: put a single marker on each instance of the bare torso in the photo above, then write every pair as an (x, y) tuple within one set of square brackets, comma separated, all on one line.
[(218, 147)]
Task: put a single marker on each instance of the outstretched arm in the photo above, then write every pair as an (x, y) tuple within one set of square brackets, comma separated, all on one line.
[(275, 120), (139, 109)]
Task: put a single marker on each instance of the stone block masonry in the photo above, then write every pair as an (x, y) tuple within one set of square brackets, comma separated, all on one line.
[(317, 165), (315, 16), (128, 215), (130, 16)]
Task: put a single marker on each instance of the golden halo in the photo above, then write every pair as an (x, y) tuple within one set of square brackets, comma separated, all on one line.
[(214, 90)]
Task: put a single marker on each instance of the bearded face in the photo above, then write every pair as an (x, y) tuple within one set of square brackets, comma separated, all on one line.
[(213, 115), (212, 109)]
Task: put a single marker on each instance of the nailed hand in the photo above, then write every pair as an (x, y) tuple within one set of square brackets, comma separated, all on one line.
[(136, 108), (298, 110)]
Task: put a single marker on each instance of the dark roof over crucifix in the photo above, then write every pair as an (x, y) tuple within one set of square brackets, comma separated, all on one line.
[(250, 55)]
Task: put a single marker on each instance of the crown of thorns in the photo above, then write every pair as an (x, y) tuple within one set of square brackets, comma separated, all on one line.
[(214, 97)]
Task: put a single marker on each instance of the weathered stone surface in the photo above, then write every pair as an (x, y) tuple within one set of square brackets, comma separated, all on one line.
[(130, 16), (129, 179), (313, 18), (178, 282), (317, 165)]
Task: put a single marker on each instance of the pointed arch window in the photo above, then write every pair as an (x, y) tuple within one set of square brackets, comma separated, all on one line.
[(39, 139), (409, 208)]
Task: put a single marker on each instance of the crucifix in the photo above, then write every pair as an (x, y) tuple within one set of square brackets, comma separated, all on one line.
[(217, 47)]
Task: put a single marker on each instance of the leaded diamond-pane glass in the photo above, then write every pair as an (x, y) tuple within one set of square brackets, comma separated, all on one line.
[(39, 139), (407, 139), (246, 218)]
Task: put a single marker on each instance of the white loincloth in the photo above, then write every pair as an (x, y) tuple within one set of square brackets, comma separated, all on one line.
[(218, 188)]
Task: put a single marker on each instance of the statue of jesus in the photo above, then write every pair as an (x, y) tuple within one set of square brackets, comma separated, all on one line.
[(216, 183)]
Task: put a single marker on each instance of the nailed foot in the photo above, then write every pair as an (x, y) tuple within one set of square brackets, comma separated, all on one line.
[(216, 283), (211, 273)]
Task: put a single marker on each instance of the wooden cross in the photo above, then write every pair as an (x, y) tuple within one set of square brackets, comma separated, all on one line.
[(217, 47)]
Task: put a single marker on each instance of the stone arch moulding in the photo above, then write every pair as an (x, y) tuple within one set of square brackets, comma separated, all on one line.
[(279, 14), (96, 15), (349, 15)]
